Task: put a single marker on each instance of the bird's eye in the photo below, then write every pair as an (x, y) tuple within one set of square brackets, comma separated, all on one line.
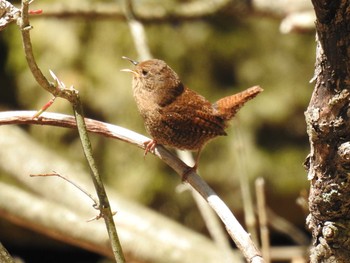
[(144, 72)]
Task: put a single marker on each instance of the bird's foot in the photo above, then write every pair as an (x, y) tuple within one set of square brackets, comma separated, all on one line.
[(149, 147)]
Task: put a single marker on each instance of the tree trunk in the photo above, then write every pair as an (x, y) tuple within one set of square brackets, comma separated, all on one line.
[(328, 128)]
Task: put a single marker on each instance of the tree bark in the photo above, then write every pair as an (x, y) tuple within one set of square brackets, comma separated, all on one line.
[(328, 126)]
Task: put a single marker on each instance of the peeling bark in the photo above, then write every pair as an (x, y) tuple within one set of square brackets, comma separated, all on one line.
[(328, 127)]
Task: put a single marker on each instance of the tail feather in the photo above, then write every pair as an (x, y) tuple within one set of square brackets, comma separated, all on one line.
[(228, 106)]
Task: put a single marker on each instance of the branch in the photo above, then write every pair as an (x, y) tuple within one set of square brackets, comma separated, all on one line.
[(53, 88), (242, 164), (263, 220), (144, 233), (58, 89), (235, 230), (104, 206), (137, 31), (239, 235)]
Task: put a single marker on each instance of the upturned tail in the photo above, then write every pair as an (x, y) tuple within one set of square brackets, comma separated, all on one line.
[(228, 106)]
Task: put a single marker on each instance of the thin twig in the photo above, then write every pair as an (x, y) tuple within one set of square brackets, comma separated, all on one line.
[(68, 94), (241, 169), (72, 96), (95, 203), (105, 207), (44, 108), (137, 31), (285, 227), (264, 230), (69, 181)]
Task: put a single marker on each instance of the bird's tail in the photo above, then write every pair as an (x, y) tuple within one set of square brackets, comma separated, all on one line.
[(228, 106)]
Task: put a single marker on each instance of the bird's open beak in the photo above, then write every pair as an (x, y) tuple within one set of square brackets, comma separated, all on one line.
[(131, 71), (131, 60)]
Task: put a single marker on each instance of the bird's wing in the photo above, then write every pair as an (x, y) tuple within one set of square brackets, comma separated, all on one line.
[(194, 121)]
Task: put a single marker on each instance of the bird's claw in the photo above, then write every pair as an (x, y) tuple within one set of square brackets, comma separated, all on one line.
[(149, 147)]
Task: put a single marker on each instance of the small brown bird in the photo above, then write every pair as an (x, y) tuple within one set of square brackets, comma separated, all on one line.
[(176, 116)]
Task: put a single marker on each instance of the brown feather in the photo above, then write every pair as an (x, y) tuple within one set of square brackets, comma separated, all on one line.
[(228, 106), (176, 116)]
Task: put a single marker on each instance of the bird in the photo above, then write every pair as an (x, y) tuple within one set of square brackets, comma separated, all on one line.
[(176, 116)]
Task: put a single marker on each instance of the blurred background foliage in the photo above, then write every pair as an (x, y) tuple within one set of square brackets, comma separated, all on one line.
[(216, 56)]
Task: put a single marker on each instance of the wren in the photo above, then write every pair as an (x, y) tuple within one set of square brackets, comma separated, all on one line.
[(177, 116)]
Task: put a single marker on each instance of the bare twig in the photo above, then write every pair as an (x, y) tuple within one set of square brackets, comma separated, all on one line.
[(68, 94), (285, 227), (235, 230), (44, 108), (104, 207), (240, 157), (72, 95), (264, 230), (72, 183), (68, 121), (137, 31)]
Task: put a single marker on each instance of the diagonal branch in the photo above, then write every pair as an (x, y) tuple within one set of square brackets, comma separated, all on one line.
[(235, 230)]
